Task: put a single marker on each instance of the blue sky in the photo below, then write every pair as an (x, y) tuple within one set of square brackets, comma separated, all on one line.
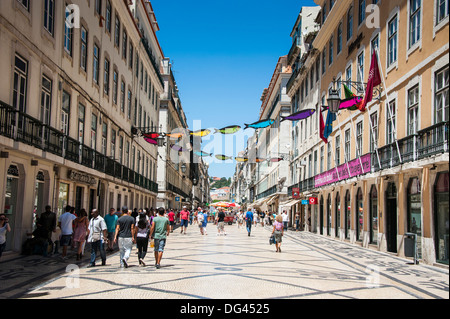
[(223, 55)]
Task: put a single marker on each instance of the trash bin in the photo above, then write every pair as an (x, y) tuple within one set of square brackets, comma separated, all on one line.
[(411, 246)]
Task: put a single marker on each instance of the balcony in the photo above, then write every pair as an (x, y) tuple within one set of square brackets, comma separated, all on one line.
[(293, 53)]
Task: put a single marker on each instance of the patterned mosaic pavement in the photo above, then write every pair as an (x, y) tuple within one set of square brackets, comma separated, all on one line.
[(233, 267)]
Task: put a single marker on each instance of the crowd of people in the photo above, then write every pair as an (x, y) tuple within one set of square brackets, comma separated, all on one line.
[(123, 228)]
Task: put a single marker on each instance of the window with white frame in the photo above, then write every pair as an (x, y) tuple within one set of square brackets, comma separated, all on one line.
[(361, 11), (338, 150), (390, 123), (65, 113), (347, 149), (339, 39), (442, 10), (96, 64), (392, 40), (413, 108), (374, 131), (20, 83), (68, 36), (106, 77), (84, 46), (49, 15), (46, 100), (94, 132), (350, 23), (441, 96), (359, 138), (104, 137), (414, 21)]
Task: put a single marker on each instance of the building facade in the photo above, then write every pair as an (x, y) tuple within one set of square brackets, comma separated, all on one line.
[(69, 97), (383, 173)]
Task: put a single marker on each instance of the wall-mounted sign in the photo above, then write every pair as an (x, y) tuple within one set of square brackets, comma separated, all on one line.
[(305, 202), (177, 199), (313, 200), (295, 192), (353, 168), (82, 177)]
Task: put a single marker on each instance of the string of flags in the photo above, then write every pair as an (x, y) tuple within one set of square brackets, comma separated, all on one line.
[(351, 103)]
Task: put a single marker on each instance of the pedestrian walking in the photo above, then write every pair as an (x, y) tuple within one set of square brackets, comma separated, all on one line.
[(111, 223), (159, 232), (98, 236), (65, 222), (297, 221), (200, 219), (80, 232), (249, 220), (125, 236), (240, 218), (171, 217), (184, 214), (141, 237), (48, 221), (277, 231), (285, 218), (220, 218), (4, 228)]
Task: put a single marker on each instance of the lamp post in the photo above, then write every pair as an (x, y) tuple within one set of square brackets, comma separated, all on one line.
[(334, 100)]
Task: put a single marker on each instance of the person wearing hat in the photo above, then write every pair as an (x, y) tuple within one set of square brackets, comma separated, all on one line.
[(184, 215)]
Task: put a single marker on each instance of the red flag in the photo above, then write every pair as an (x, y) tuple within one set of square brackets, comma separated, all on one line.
[(322, 128), (373, 80)]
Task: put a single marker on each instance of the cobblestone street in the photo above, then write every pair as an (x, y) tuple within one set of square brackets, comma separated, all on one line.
[(237, 266)]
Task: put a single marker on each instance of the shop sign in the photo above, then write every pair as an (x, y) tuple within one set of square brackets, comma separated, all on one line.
[(313, 200), (356, 167), (295, 192), (305, 202), (82, 177), (177, 199)]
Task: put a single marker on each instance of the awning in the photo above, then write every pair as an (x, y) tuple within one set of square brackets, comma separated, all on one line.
[(291, 203)]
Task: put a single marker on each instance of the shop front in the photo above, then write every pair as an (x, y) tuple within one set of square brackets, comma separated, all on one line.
[(441, 217)]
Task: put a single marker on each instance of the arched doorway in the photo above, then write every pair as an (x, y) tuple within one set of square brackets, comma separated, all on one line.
[(359, 214), (414, 213), (348, 220), (441, 219), (11, 202), (321, 215), (329, 215), (373, 215), (391, 218), (337, 213)]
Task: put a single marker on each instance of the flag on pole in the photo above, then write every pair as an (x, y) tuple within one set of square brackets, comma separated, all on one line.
[(329, 124), (348, 95), (373, 80), (322, 129)]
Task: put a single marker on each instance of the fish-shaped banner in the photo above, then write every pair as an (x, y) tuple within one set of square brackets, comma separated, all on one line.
[(151, 135), (175, 135), (259, 160), (228, 130), (301, 115), (275, 159), (350, 103), (150, 140), (241, 159), (223, 157), (202, 154), (201, 133), (178, 148), (259, 124)]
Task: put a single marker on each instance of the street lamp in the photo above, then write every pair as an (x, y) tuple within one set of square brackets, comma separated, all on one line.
[(183, 168), (334, 100)]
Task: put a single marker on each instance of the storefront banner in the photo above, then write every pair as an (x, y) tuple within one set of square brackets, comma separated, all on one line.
[(344, 171), (313, 200), (295, 192)]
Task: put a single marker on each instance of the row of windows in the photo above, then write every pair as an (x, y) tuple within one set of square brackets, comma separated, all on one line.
[(441, 108), (127, 55), (119, 148)]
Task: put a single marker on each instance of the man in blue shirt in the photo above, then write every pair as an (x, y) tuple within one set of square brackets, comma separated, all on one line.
[(249, 219)]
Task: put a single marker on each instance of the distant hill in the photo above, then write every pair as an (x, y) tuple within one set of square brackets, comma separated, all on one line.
[(218, 183)]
